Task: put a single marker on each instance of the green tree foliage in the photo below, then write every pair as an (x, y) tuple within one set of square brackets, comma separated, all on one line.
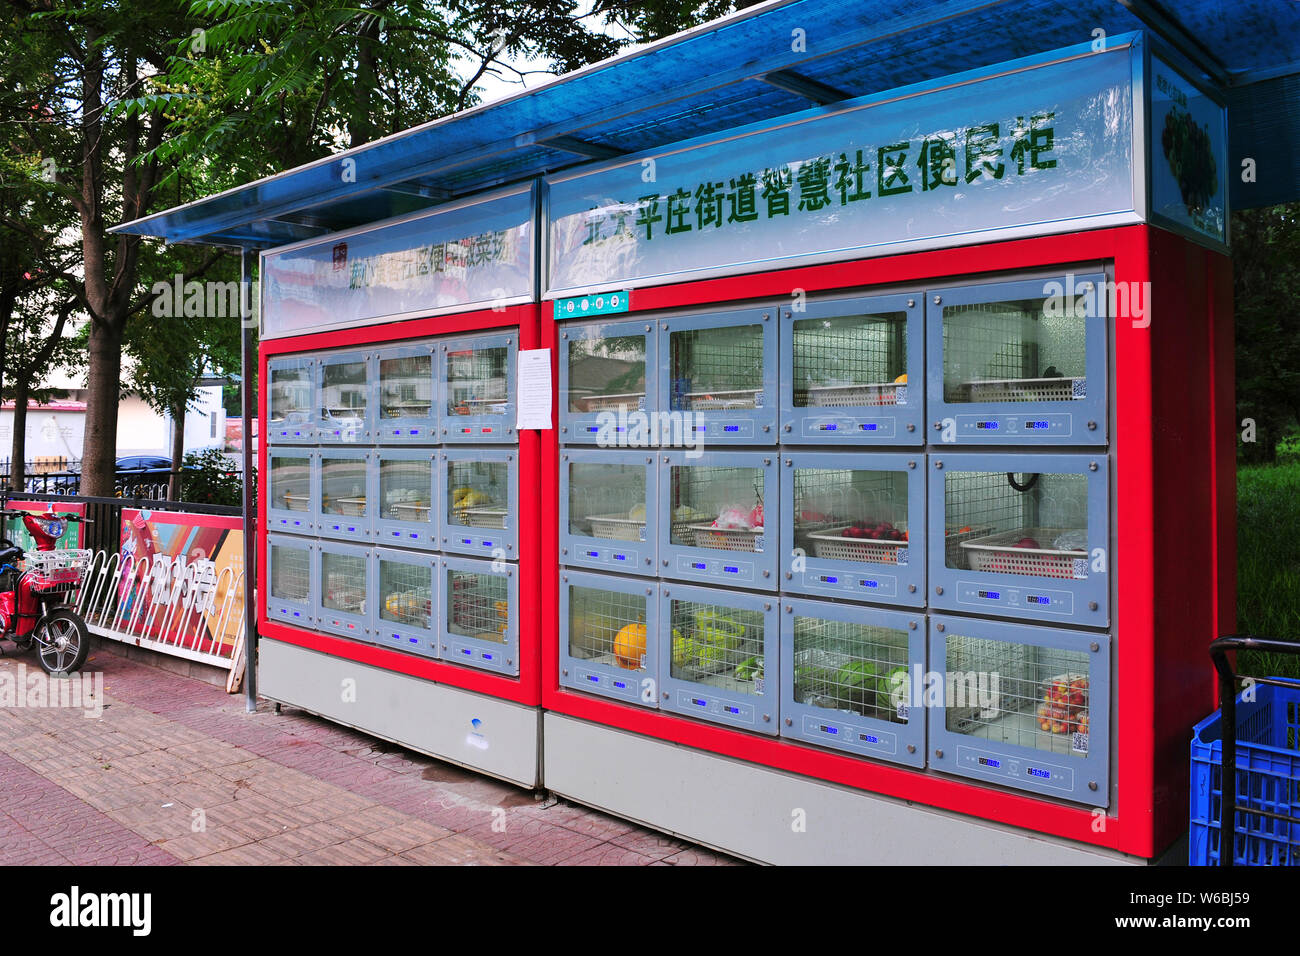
[(1266, 277)]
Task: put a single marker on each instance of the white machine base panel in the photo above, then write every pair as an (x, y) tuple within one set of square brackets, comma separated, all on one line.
[(497, 737), (772, 816)]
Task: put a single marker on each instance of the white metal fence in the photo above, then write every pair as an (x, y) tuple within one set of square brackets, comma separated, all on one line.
[(195, 612)]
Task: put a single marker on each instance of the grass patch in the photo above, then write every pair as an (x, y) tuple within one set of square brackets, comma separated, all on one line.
[(1268, 562)]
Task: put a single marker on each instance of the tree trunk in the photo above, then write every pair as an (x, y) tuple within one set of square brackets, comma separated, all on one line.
[(18, 459), (174, 489), (99, 451)]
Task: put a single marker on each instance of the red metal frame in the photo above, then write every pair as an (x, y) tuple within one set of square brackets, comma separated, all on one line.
[(525, 689), (1174, 457)]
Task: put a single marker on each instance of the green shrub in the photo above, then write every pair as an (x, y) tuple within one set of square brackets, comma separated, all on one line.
[(207, 479)]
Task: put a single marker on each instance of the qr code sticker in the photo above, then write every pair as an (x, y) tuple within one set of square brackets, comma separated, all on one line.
[(641, 533), (640, 404), (1079, 743), (759, 684), (758, 399), (1079, 388), (900, 395), (902, 710), (902, 557), (1080, 568), (758, 542)]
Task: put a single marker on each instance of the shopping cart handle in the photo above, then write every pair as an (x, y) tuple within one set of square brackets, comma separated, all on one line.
[(1220, 647)]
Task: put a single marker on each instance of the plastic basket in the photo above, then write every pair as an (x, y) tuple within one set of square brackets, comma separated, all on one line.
[(51, 568), (998, 554), (722, 401), (618, 527), (832, 545), (728, 539), (853, 396), (600, 403), (480, 406), (1029, 390), (494, 518), (1268, 779), (409, 511)]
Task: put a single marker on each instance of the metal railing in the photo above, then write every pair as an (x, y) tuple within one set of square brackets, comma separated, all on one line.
[(151, 487)]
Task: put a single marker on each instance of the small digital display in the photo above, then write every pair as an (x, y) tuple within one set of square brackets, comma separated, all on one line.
[(829, 428), (620, 557), (487, 656), (990, 762), (869, 584), (827, 729), (731, 569), (991, 595), (987, 426), (869, 738), (1038, 425), (698, 702), (830, 579), (593, 678), (1038, 599), (732, 710), (1041, 774), (869, 426), (621, 684), (731, 428), (593, 554), (699, 566)]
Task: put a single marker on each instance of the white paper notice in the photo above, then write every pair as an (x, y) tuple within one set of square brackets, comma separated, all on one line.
[(534, 386)]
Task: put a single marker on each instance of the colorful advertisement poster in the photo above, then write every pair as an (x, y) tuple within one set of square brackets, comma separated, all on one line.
[(182, 579)]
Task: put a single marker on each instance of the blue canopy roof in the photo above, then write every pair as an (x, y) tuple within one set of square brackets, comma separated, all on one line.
[(754, 66)]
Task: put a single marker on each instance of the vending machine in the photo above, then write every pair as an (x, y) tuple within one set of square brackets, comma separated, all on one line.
[(852, 514), (400, 497)]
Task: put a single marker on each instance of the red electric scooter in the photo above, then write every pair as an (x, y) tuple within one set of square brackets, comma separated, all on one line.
[(36, 591)]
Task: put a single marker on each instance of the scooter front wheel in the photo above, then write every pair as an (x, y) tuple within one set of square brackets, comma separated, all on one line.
[(62, 641)]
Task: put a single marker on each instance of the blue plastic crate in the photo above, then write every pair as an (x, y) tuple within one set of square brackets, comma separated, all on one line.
[(1268, 779)]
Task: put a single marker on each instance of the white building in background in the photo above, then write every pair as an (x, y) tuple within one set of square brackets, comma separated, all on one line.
[(57, 429)]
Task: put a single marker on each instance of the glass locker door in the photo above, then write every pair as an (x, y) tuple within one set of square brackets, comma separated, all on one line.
[(609, 509), (721, 661), (718, 375), (609, 636), (1021, 535), (291, 401), (480, 616), (1024, 707), (477, 388), (480, 492), (406, 395), (347, 497), (1018, 362), (852, 371), (406, 609), (293, 490), (849, 678), (344, 587), (408, 498), (713, 517), (607, 373), (291, 580), (346, 402), (853, 525)]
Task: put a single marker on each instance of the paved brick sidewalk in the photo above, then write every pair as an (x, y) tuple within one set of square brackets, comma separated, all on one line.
[(174, 771)]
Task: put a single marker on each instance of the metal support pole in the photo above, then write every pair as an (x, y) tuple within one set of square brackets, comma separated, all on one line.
[(247, 378)]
